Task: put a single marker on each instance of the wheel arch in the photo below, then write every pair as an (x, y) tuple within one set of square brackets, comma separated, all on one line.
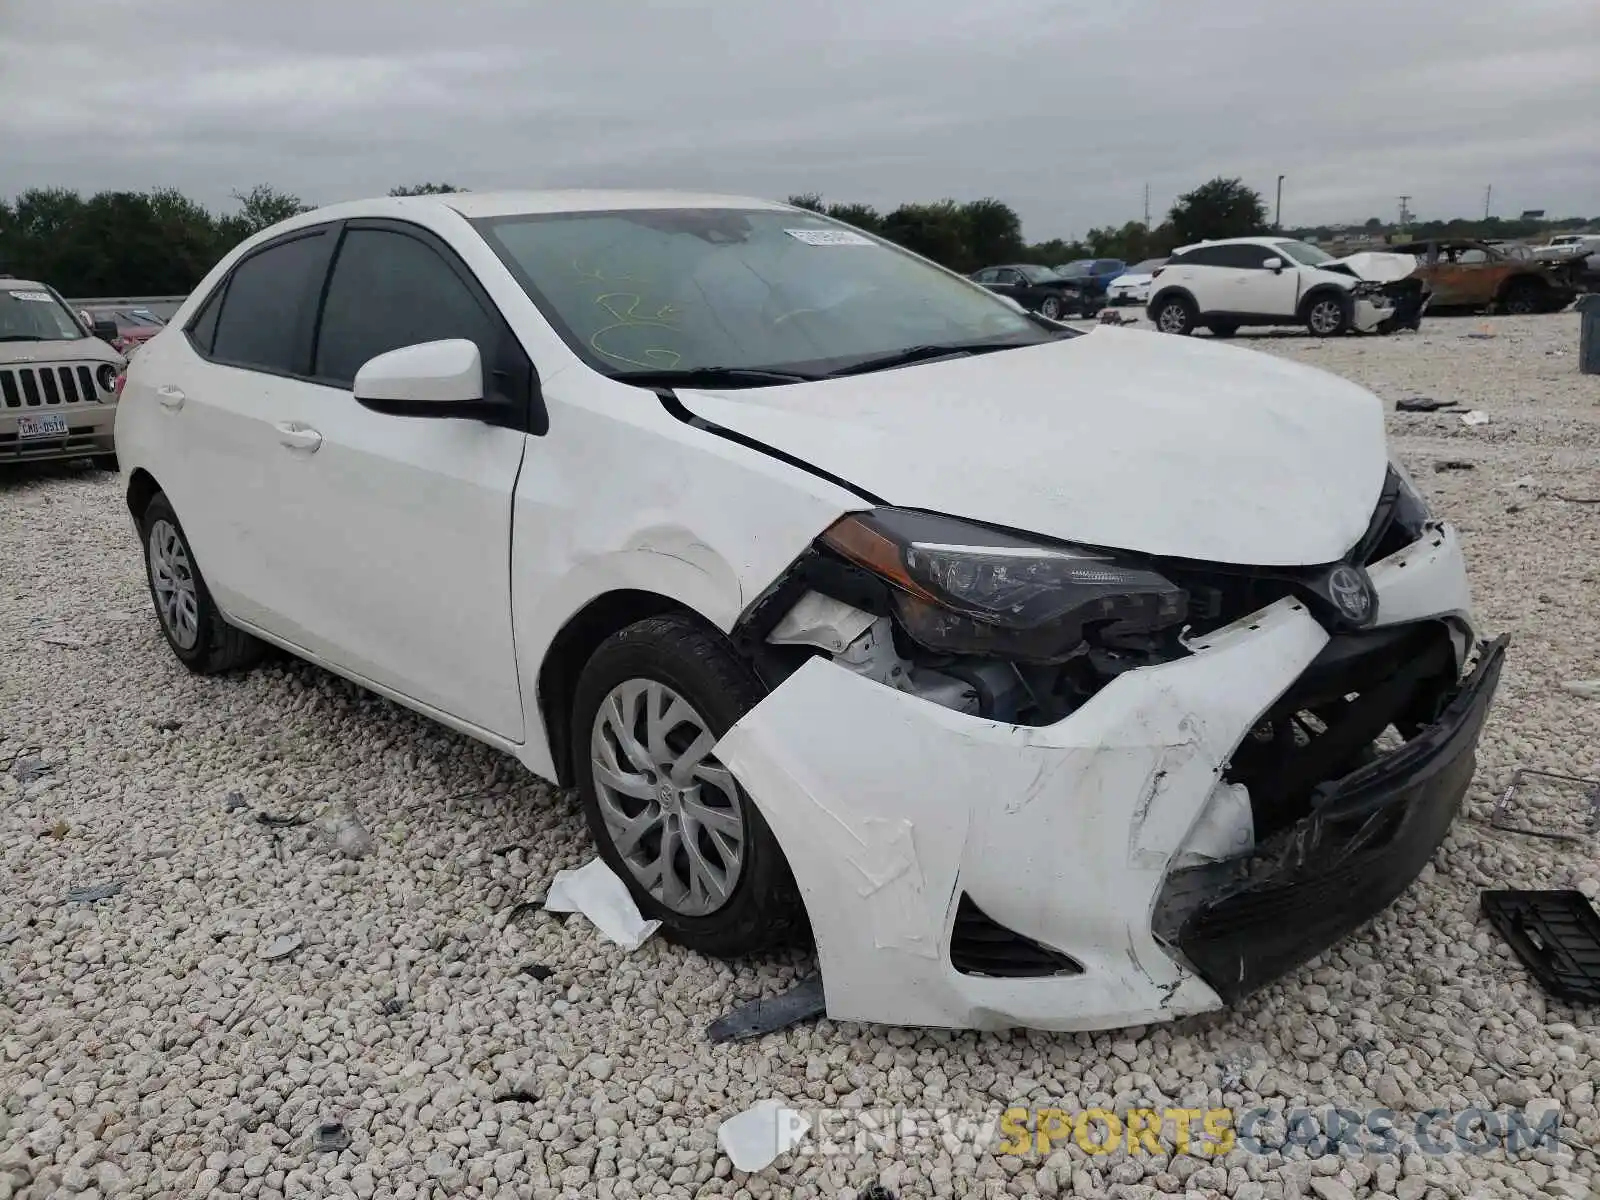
[(1343, 295), (142, 488), (573, 645), (1168, 293)]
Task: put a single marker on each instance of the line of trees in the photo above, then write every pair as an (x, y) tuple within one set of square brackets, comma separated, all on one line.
[(161, 242)]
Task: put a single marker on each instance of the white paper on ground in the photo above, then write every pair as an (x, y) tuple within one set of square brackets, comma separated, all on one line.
[(595, 891), (1584, 689), (1475, 417), (755, 1137)]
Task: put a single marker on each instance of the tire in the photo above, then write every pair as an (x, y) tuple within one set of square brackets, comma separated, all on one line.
[(1521, 298), (1050, 308), (105, 462), (1327, 315), (211, 646), (1175, 315), (649, 667), (1222, 329)]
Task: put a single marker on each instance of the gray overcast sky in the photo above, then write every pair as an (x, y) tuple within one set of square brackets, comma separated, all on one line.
[(1063, 108)]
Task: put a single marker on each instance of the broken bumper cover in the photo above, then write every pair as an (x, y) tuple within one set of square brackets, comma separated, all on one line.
[(1370, 835), (923, 838), (1398, 305)]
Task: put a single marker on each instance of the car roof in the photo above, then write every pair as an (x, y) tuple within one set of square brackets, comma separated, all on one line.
[(1270, 240), (515, 203), (20, 285)]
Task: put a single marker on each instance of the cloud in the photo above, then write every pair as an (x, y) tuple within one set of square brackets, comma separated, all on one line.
[(1065, 111)]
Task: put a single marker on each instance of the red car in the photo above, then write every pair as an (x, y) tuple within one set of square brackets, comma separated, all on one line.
[(135, 326)]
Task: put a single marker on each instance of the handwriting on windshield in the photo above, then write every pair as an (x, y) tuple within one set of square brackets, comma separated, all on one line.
[(625, 309)]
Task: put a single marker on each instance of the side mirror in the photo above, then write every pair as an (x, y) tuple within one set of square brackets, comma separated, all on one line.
[(1275, 265), (430, 379), (105, 329)]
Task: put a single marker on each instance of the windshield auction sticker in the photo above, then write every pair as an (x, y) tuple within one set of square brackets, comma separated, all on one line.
[(38, 297), (829, 237)]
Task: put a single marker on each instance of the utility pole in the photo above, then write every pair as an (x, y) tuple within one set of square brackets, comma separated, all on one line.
[(1487, 192), (1277, 220), (1147, 206), (1405, 213)]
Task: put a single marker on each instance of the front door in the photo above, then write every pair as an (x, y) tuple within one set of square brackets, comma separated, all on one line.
[(399, 527)]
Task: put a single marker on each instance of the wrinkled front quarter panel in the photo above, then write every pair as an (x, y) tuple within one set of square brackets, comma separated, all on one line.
[(621, 496), (889, 808)]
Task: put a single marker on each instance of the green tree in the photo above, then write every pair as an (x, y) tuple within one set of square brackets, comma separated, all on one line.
[(862, 216), (937, 231), (260, 207), (811, 200), (425, 189), (1221, 208), (993, 233)]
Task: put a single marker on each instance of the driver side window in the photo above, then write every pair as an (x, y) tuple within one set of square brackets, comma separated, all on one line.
[(389, 290)]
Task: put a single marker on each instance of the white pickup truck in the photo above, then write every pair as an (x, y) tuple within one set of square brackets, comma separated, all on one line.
[(1566, 246)]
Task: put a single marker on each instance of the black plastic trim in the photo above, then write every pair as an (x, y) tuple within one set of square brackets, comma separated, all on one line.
[(674, 406)]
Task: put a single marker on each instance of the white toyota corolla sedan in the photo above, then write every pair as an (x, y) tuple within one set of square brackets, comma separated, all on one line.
[(1053, 679)]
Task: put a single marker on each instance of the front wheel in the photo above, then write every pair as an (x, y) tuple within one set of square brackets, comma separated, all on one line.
[(190, 619), (1050, 308), (1327, 317), (668, 818), (1175, 315)]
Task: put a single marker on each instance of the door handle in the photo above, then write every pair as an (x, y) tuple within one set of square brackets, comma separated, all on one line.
[(299, 437), (170, 396)]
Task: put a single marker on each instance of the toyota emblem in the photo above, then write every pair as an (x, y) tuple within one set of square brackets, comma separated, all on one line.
[(1351, 593)]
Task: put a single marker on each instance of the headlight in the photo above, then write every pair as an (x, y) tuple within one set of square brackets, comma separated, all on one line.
[(1411, 510), (962, 588)]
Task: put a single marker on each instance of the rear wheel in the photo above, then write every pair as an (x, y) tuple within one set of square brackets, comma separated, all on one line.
[(1175, 315), (1521, 298), (1327, 316), (667, 816), (190, 619)]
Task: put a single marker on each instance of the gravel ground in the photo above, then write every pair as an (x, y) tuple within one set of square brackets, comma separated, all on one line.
[(149, 1047)]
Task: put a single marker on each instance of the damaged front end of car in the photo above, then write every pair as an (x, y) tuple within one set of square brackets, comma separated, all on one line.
[(1022, 782), (1390, 306)]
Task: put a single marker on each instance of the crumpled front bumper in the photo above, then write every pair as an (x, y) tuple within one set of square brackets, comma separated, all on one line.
[(901, 818), (1405, 302)]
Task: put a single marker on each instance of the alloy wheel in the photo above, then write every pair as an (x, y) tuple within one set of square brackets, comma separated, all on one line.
[(1051, 308), (1325, 316), (172, 579), (672, 811), (1172, 319)]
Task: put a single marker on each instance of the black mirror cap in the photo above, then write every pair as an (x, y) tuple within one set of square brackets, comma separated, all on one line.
[(105, 329)]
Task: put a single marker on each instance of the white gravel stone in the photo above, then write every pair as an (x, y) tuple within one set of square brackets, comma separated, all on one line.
[(148, 1049)]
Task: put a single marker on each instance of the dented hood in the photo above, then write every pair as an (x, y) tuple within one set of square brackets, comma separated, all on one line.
[(1118, 438), (1377, 266)]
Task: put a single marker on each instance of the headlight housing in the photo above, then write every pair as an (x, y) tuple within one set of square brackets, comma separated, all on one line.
[(1411, 511), (963, 588)]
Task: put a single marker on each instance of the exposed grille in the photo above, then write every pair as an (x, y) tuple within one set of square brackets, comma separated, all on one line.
[(981, 946), (47, 385)]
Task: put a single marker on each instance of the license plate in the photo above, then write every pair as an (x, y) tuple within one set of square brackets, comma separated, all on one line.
[(54, 425)]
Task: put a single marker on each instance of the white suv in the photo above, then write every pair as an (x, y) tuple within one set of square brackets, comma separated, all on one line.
[(1278, 281)]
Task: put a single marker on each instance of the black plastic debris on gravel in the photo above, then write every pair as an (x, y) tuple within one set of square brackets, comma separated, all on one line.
[(1453, 464), (330, 1137), (274, 821), (1425, 404), (93, 893)]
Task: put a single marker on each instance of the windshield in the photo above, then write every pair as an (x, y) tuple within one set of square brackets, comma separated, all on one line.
[(1147, 266), (129, 316), (1304, 253), (35, 316), (1075, 270), (1038, 274), (689, 289)]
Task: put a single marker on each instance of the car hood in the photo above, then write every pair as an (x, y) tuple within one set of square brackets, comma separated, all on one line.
[(1116, 438), (76, 350), (1377, 266), (1141, 277)]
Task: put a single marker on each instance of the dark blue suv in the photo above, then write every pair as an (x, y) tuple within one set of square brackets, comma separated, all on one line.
[(1096, 273)]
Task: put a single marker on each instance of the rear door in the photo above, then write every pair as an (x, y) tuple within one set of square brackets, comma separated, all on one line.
[(398, 529), (218, 396), (1203, 273)]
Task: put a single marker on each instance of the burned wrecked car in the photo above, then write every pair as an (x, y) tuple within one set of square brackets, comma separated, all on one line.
[(1047, 679), (1464, 273)]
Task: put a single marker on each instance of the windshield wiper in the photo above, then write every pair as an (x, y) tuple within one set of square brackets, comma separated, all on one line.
[(27, 337), (916, 354), (711, 377)]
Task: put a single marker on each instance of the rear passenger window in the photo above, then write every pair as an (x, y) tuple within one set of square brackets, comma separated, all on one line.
[(265, 313), (390, 290), (203, 329)]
